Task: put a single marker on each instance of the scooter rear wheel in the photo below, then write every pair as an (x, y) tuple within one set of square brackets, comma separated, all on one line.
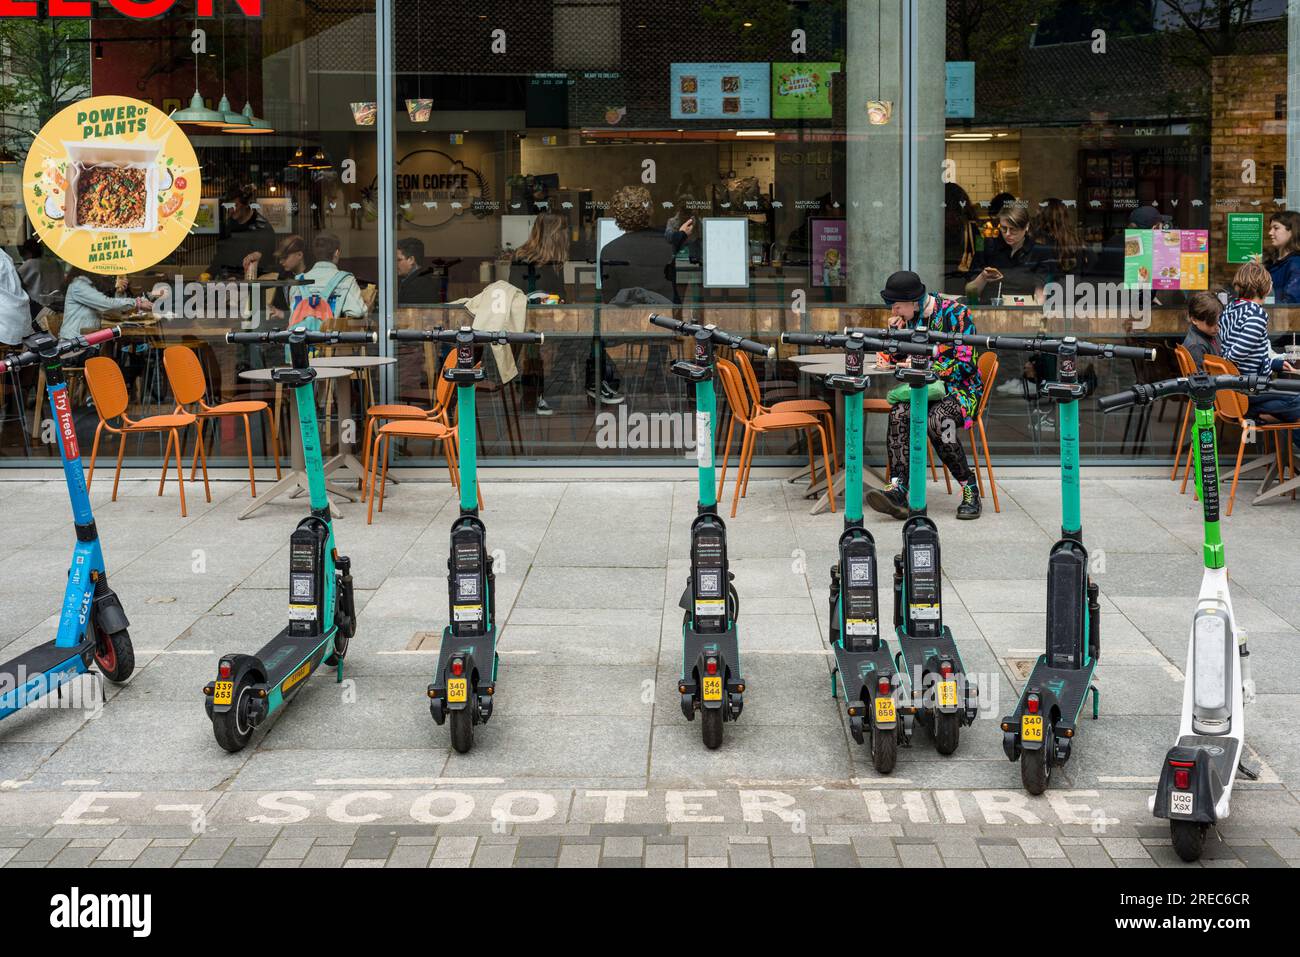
[(462, 730), (232, 729), (1035, 769), (947, 732), (884, 749), (114, 655), (711, 727), (1188, 838)]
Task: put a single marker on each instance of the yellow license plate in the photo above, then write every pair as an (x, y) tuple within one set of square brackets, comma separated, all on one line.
[(1031, 727), (457, 690), (885, 710), (947, 694), (713, 689), (224, 692)]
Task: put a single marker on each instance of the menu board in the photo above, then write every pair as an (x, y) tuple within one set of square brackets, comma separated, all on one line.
[(1167, 258), (802, 90), (829, 244), (716, 91), (725, 241), (1245, 236)]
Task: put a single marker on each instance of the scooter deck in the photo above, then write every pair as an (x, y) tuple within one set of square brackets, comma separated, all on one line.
[(726, 645), (917, 651), (856, 668), (285, 654), (1069, 685), (16, 676)]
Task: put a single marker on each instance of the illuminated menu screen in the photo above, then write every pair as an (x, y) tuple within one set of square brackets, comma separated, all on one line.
[(714, 91)]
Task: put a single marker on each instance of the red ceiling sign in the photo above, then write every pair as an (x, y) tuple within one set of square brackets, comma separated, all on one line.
[(136, 9)]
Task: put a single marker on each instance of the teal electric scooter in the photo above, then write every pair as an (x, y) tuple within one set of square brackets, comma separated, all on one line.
[(464, 683), (249, 689), (712, 683), (864, 670)]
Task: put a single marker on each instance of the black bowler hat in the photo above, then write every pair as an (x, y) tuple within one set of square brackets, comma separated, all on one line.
[(903, 287)]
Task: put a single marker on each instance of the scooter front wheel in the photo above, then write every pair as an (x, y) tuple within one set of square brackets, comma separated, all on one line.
[(947, 732), (114, 655), (462, 730), (233, 729), (711, 727), (1036, 769), (1188, 838)]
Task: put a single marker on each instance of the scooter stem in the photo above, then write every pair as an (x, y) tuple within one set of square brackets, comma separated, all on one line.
[(853, 459), (467, 430)]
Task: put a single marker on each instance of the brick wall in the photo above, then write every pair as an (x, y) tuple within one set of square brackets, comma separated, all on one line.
[(1245, 104), (975, 165)]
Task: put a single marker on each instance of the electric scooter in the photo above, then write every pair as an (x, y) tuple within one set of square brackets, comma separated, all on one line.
[(940, 694), (1196, 779), (92, 624), (464, 684), (864, 668), (711, 682), (1040, 732), (249, 689)]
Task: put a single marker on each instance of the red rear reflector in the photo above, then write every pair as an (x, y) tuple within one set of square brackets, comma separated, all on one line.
[(457, 667), (711, 665), (223, 670), (945, 669), (1182, 779), (884, 686), (1031, 704)]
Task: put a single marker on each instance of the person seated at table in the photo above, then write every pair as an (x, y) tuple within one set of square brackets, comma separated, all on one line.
[(85, 301), (953, 401), (1203, 311), (336, 286), (1243, 341), (15, 307), (417, 282), (244, 230), (291, 255), (1013, 263)]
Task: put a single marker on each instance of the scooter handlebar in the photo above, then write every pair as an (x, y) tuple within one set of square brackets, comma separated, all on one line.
[(499, 338), (832, 341), (1145, 393), (681, 328), (18, 360), (313, 336), (1016, 343)]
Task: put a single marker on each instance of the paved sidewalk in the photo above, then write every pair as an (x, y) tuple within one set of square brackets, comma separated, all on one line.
[(587, 759)]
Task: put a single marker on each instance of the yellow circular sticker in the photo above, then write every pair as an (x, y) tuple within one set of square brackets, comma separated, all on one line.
[(111, 185)]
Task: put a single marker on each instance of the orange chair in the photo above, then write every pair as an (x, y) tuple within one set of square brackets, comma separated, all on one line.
[(108, 388), (756, 423), (1186, 367), (1232, 407), (988, 366), (814, 407), (189, 386), (438, 413), (433, 426)]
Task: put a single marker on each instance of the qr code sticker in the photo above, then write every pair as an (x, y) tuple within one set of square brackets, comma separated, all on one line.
[(467, 587), (709, 583), (860, 573), (923, 559)]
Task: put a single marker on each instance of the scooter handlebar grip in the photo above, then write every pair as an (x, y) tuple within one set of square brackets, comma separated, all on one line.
[(103, 335), (666, 322), (1131, 352), (802, 339), (235, 337), (1284, 385), (757, 348), (368, 337), (1120, 400)]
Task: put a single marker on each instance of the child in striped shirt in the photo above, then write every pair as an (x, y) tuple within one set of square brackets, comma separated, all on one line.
[(1243, 340)]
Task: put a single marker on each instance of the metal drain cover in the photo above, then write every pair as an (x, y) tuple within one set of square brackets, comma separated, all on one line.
[(423, 641)]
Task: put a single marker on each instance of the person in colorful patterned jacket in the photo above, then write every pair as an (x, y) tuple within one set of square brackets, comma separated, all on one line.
[(959, 380)]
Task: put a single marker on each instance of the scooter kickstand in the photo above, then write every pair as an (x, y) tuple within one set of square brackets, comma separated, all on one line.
[(1248, 770)]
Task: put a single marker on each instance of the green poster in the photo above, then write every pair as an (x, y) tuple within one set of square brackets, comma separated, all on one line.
[(1139, 256), (1245, 236), (802, 90)]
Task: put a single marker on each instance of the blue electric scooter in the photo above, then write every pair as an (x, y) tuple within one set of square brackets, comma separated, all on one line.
[(92, 625)]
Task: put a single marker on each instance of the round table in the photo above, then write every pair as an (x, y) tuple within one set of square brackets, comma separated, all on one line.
[(357, 364), (295, 480), (821, 365)]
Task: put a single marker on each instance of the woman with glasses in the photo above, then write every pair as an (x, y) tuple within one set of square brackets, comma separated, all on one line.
[(1011, 265)]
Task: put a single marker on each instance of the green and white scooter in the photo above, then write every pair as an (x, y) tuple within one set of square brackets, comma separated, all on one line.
[(711, 683), (939, 692), (249, 689), (864, 670), (464, 684), (1198, 773)]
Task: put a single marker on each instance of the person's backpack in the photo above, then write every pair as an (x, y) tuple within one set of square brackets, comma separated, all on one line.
[(314, 304)]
